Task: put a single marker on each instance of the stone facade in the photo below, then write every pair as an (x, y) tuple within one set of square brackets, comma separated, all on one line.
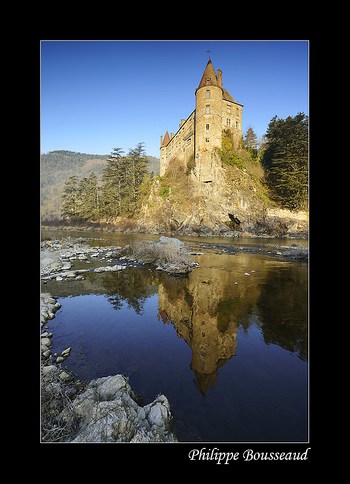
[(199, 136)]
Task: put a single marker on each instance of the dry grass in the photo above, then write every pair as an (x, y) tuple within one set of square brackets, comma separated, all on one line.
[(58, 421), (160, 254)]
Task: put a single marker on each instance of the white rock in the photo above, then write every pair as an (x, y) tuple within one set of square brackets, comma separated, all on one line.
[(70, 274), (107, 387), (59, 359), (107, 412), (171, 241), (64, 376), (109, 268), (66, 351), (45, 342), (246, 274), (155, 416), (46, 353), (49, 369)]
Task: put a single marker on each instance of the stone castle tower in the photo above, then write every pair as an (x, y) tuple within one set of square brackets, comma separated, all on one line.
[(200, 134)]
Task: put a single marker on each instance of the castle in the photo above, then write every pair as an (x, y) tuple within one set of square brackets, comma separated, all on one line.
[(199, 136)]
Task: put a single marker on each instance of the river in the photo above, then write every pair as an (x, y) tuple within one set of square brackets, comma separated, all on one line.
[(227, 344)]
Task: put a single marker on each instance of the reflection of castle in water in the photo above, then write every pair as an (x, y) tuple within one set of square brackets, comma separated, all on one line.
[(204, 318), (207, 307)]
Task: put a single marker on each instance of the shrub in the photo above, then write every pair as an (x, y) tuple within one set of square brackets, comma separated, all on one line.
[(170, 255), (227, 153), (164, 191), (191, 163), (58, 421)]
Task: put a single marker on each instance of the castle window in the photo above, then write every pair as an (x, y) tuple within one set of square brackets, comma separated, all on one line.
[(228, 122), (207, 81), (207, 109), (237, 124), (207, 127), (207, 93), (228, 108), (237, 111), (207, 140)]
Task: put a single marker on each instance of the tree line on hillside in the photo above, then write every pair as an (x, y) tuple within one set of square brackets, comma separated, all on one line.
[(119, 194), (283, 154)]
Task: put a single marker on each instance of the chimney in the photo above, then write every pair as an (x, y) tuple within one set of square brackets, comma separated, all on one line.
[(161, 140), (182, 122), (220, 77), (171, 135)]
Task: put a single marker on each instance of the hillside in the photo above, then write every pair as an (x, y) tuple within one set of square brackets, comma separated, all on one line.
[(236, 201), (57, 166)]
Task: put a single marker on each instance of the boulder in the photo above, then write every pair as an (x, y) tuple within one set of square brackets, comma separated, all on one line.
[(66, 352), (171, 241), (45, 342), (64, 376), (49, 369), (109, 268), (108, 412)]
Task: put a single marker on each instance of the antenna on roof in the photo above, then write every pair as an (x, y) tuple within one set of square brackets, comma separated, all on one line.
[(209, 52)]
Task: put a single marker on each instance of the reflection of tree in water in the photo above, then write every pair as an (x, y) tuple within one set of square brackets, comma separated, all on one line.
[(283, 308), (132, 286)]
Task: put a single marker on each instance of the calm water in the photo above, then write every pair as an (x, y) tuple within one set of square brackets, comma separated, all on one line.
[(227, 349)]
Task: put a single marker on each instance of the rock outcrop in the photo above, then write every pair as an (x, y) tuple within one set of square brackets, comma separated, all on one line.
[(168, 254), (107, 412), (192, 208), (103, 410)]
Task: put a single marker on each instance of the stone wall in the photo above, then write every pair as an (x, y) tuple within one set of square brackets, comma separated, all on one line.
[(181, 145), (208, 129), (231, 114)]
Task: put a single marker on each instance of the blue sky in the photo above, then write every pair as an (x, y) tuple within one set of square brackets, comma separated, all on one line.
[(97, 95)]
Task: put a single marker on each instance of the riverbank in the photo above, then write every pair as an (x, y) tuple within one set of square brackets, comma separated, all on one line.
[(102, 410), (277, 223), (105, 409), (74, 410)]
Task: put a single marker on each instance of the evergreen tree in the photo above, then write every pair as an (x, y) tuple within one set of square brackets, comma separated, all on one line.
[(138, 169), (89, 198), (71, 198), (285, 160), (112, 179), (122, 179), (250, 142)]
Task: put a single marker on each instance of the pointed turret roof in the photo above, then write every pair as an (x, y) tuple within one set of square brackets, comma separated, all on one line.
[(209, 77), (166, 139)]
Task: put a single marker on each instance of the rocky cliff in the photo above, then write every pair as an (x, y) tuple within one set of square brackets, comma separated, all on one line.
[(233, 202)]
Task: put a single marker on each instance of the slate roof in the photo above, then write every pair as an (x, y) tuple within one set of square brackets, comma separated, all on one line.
[(210, 78)]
